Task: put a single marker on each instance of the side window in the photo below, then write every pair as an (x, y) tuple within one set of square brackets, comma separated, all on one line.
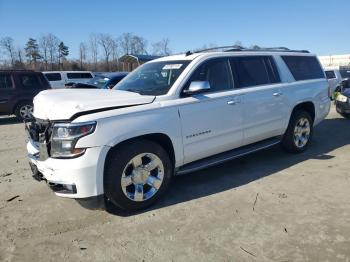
[(53, 76), (304, 67), (78, 75), (30, 81), (86, 75), (251, 71), (5, 81), (330, 74), (216, 72)]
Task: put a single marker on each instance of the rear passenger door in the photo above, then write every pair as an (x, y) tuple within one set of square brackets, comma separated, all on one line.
[(258, 78)]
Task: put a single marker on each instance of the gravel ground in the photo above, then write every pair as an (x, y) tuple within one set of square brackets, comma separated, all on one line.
[(269, 206)]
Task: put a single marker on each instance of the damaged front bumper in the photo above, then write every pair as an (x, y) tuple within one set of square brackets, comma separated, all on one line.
[(80, 178)]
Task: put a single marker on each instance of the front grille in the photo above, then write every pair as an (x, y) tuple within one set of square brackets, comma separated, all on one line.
[(40, 131)]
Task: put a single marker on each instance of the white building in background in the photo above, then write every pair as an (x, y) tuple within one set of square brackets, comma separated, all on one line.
[(335, 61)]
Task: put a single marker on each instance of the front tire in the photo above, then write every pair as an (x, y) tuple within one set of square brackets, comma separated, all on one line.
[(136, 174), (299, 132), (24, 111)]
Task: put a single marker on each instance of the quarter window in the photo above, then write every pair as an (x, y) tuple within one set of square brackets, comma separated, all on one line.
[(53, 76), (251, 71), (330, 74), (216, 72), (304, 67), (5, 81), (30, 81)]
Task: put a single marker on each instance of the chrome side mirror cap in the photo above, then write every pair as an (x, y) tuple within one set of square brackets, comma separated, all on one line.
[(197, 87)]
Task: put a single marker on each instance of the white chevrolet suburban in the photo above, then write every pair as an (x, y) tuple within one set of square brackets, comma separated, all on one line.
[(173, 115)]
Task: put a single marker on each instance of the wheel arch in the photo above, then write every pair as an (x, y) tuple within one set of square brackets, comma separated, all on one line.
[(306, 106), (18, 103), (159, 138)]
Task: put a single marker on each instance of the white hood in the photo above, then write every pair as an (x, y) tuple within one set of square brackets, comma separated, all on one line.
[(61, 104)]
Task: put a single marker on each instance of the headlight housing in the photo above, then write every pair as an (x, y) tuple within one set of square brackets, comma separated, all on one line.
[(342, 98), (66, 135)]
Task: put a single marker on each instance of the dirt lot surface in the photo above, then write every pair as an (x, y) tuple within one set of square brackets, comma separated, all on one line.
[(269, 206)]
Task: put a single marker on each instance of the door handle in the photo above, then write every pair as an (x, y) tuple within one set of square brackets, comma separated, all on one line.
[(277, 94), (233, 102)]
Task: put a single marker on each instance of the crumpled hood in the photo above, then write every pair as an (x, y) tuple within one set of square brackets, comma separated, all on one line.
[(61, 104)]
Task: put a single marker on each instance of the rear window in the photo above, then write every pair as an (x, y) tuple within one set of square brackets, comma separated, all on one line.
[(345, 73), (5, 81), (304, 67), (30, 81), (253, 71), (53, 76), (330, 74), (78, 75)]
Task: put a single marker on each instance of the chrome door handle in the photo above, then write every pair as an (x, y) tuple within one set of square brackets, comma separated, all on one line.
[(277, 94), (232, 102)]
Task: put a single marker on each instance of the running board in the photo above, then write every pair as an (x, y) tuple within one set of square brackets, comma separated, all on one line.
[(228, 155)]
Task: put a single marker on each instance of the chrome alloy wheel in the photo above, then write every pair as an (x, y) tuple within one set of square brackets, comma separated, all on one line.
[(26, 111), (142, 177), (302, 132)]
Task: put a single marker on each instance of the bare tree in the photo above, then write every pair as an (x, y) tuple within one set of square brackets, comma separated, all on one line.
[(82, 54), (161, 47), (52, 43), (125, 42), (138, 45), (44, 49), (115, 52), (106, 42), (93, 44), (7, 43)]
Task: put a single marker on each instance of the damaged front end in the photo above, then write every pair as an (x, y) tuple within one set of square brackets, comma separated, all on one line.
[(39, 133)]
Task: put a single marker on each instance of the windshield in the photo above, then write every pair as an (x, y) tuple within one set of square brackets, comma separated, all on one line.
[(155, 78)]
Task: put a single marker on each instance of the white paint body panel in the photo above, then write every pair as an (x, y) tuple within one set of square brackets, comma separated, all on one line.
[(198, 126)]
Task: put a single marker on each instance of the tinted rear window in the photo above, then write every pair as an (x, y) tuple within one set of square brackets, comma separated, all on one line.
[(330, 74), (30, 81), (345, 73), (253, 70), (53, 76), (78, 75), (5, 81), (304, 67)]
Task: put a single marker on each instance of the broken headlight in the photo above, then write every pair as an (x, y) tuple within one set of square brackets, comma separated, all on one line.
[(66, 135)]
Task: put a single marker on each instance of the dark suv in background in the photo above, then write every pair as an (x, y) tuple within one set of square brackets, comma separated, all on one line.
[(17, 90)]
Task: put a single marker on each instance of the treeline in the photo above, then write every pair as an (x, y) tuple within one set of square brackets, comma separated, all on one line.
[(101, 52)]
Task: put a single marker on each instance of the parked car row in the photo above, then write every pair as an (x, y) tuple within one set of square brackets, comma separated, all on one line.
[(19, 87)]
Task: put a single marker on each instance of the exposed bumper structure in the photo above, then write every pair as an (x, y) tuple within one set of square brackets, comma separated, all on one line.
[(79, 178)]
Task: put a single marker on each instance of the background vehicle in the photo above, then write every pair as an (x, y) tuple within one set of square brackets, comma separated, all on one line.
[(102, 81), (17, 90), (342, 100), (58, 79), (174, 115), (334, 78)]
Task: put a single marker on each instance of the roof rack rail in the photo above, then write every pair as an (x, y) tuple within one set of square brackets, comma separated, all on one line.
[(237, 48)]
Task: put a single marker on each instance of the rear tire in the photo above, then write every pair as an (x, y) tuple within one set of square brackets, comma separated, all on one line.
[(24, 111), (136, 174), (299, 132)]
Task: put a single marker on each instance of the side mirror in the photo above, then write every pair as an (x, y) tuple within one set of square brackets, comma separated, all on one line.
[(197, 87)]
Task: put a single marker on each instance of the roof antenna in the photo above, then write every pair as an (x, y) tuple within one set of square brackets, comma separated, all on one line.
[(188, 53)]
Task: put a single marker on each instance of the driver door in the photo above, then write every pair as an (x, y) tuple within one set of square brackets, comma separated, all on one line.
[(211, 121)]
